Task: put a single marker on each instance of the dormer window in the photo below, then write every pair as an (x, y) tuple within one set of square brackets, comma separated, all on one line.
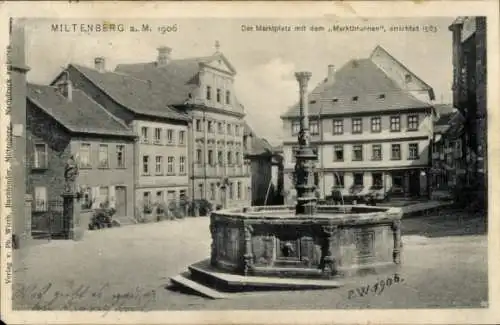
[(408, 78), (381, 96), (355, 98), (312, 102), (335, 100)]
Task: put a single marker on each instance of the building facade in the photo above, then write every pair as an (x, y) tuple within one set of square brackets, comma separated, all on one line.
[(64, 123), (469, 94), (203, 88), (448, 162), (160, 153), (371, 123)]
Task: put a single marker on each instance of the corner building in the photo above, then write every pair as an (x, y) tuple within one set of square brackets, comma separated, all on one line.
[(371, 123)]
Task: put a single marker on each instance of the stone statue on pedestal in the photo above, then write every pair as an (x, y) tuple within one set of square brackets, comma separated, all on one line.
[(70, 174)]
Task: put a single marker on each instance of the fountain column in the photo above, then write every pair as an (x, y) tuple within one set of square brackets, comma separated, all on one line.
[(305, 156)]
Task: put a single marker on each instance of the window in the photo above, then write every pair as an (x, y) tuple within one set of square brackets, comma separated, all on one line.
[(85, 157), (170, 165), (338, 154), (182, 165), (237, 129), (357, 152), (211, 157), (182, 195), (338, 126), (120, 156), (209, 93), (228, 97), (314, 127), (104, 196), (412, 122), (376, 125), (229, 129), (199, 156), (87, 199), (212, 191), (219, 95), (145, 165), (357, 125), (413, 151), (220, 127), (144, 135), (159, 165), (170, 196), (238, 191), (338, 180), (159, 196), (157, 136), (358, 179), (395, 124), (200, 190), (103, 156), (182, 137), (229, 158), (41, 157), (40, 199), (146, 196), (355, 98), (170, 136), (377, 180), (198, 125), (237, 158), (376, 152), (211, 128), (408, 78), (396, 152), (220, 158), (295, 128), (231, 192)]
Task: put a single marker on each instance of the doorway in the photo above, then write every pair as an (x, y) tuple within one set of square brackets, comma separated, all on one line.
[(121, 201), (414, 189)]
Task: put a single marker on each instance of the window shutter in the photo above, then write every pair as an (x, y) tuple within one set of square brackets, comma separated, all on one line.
[(112, 197)]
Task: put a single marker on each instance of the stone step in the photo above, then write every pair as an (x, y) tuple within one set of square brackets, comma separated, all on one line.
[(205, 291)]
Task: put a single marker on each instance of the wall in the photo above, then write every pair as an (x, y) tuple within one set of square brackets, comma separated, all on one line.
[(216, 79), (261, 178)]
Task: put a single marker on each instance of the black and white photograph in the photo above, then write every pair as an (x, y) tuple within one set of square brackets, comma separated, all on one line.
[(249, 163)]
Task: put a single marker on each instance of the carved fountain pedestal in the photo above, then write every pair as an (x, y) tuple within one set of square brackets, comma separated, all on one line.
[(336, 241)]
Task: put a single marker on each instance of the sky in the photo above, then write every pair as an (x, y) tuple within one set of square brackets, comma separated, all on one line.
[(265, 61)]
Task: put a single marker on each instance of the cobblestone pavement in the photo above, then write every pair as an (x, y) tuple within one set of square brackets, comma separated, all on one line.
[(129, 268)]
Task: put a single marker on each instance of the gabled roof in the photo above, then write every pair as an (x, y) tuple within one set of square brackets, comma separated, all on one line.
[(139, 96), (177, 79), (81, 115), (358, 86)]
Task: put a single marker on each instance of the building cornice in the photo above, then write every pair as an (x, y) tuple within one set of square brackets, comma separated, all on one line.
[(351, 114), (377, 140)]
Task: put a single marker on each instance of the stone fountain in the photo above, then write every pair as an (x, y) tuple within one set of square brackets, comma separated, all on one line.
[(294, 245)]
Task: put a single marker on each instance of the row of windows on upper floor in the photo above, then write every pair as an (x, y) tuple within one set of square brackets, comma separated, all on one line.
[(85, 158), (376, 152), (220, 127), (357, 125), (237, 160), (159, 168), (234, 190), (220, 96), (159, 139)]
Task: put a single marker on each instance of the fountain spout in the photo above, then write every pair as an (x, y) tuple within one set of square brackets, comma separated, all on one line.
[(305, 156)]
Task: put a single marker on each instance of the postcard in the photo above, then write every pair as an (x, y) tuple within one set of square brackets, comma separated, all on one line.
[(240, 162)]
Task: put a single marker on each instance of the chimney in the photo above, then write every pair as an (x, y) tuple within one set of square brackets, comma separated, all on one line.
[(66, 87), (331, 73), (100, 64), (163, 56)]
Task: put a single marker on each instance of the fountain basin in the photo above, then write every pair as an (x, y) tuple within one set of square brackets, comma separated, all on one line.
[(336, 241)]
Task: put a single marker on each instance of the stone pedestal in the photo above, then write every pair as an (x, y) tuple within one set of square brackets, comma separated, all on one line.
[(72, 227)]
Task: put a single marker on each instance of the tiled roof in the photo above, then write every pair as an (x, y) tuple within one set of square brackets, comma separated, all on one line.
[(358, 87), (260, 146), (82, 114), (449, 121), (177, 79), (140, 96)]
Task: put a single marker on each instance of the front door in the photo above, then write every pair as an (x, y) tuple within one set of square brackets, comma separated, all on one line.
[(121, 201)]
